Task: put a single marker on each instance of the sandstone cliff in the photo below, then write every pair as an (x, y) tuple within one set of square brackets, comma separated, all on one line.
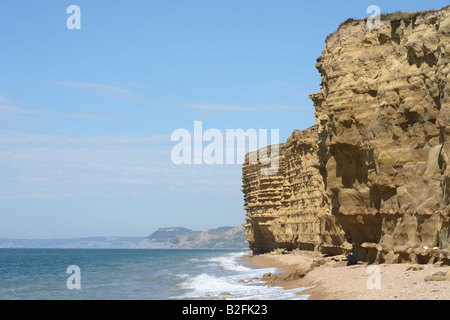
[(374, 176), (286, 210)]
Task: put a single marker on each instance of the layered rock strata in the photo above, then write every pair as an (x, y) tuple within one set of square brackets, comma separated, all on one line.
[(383, 118), (287, 209), (377, 170)]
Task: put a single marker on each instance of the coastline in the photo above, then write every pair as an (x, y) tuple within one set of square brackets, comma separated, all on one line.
[(329, 278)]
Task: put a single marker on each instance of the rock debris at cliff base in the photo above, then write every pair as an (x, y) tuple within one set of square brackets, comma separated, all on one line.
[(329, 278), (371, 178)]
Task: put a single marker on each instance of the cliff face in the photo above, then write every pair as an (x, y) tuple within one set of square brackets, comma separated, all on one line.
[(287, 209), (376, 173), (383, 118)]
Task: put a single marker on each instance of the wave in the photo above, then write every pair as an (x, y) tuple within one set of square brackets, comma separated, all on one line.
[(226, 277), (230, 262), (179, 275)]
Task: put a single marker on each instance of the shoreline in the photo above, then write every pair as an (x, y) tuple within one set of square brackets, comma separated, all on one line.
[(330, 278)]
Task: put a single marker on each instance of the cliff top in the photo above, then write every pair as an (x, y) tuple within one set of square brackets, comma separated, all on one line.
[(407, 17)]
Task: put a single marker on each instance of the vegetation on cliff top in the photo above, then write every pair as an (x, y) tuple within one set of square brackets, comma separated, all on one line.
[(406, 16), (394, 16)]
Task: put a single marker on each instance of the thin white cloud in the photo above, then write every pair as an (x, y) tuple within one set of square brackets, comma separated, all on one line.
[(98, 88), (229, 107), (61, 166), (4, 99), (110, 91), (89, 116), (23, 138), (16, 109), (288, 87), (8, 106), (215, 107), (280, 107)]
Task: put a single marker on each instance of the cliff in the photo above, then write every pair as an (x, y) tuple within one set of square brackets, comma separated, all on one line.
[(287, 209), (373, 176)]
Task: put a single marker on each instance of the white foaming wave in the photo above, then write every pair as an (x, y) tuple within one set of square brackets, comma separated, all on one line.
[(211, 284), (208, 284), (229, 262), (194, 259), (205, 285), (179, 275)]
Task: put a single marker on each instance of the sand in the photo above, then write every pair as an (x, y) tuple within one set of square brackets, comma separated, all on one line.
[(335, 280)]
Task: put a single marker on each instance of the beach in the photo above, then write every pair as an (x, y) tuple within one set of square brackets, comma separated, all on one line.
[(330, 278)]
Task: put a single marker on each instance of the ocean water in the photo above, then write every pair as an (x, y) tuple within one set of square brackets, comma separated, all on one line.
[(126, 274)]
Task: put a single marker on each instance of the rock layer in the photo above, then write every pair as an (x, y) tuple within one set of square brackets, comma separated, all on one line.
[(383, 118), (376, 172), (286, 209)]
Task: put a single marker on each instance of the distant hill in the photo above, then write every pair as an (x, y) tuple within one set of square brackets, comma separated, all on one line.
[(163, 238), (181, 238)]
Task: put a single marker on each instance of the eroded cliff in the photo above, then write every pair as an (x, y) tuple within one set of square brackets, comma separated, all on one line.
[(375, 173), (289, 209)]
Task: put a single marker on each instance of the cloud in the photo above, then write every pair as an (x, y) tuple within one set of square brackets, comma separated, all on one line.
[(98, 88), (81, 165), (8, 106), (229, 107), (289, 87), (89, 116), (107, 90), (280, 107), (4, 99), (61, 166), (16, 109), (215, 107), (9, 110)]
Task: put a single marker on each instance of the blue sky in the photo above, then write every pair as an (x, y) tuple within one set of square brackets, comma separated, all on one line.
[(86, 115)]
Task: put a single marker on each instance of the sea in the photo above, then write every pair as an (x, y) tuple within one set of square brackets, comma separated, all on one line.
[(134, 274)]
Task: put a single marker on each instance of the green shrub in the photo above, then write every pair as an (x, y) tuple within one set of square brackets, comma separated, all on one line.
[(406, 16)]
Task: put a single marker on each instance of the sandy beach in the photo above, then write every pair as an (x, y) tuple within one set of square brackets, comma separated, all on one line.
[(330, 278)]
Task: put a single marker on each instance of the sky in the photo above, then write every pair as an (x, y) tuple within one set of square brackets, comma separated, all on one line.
[(86, 115)]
